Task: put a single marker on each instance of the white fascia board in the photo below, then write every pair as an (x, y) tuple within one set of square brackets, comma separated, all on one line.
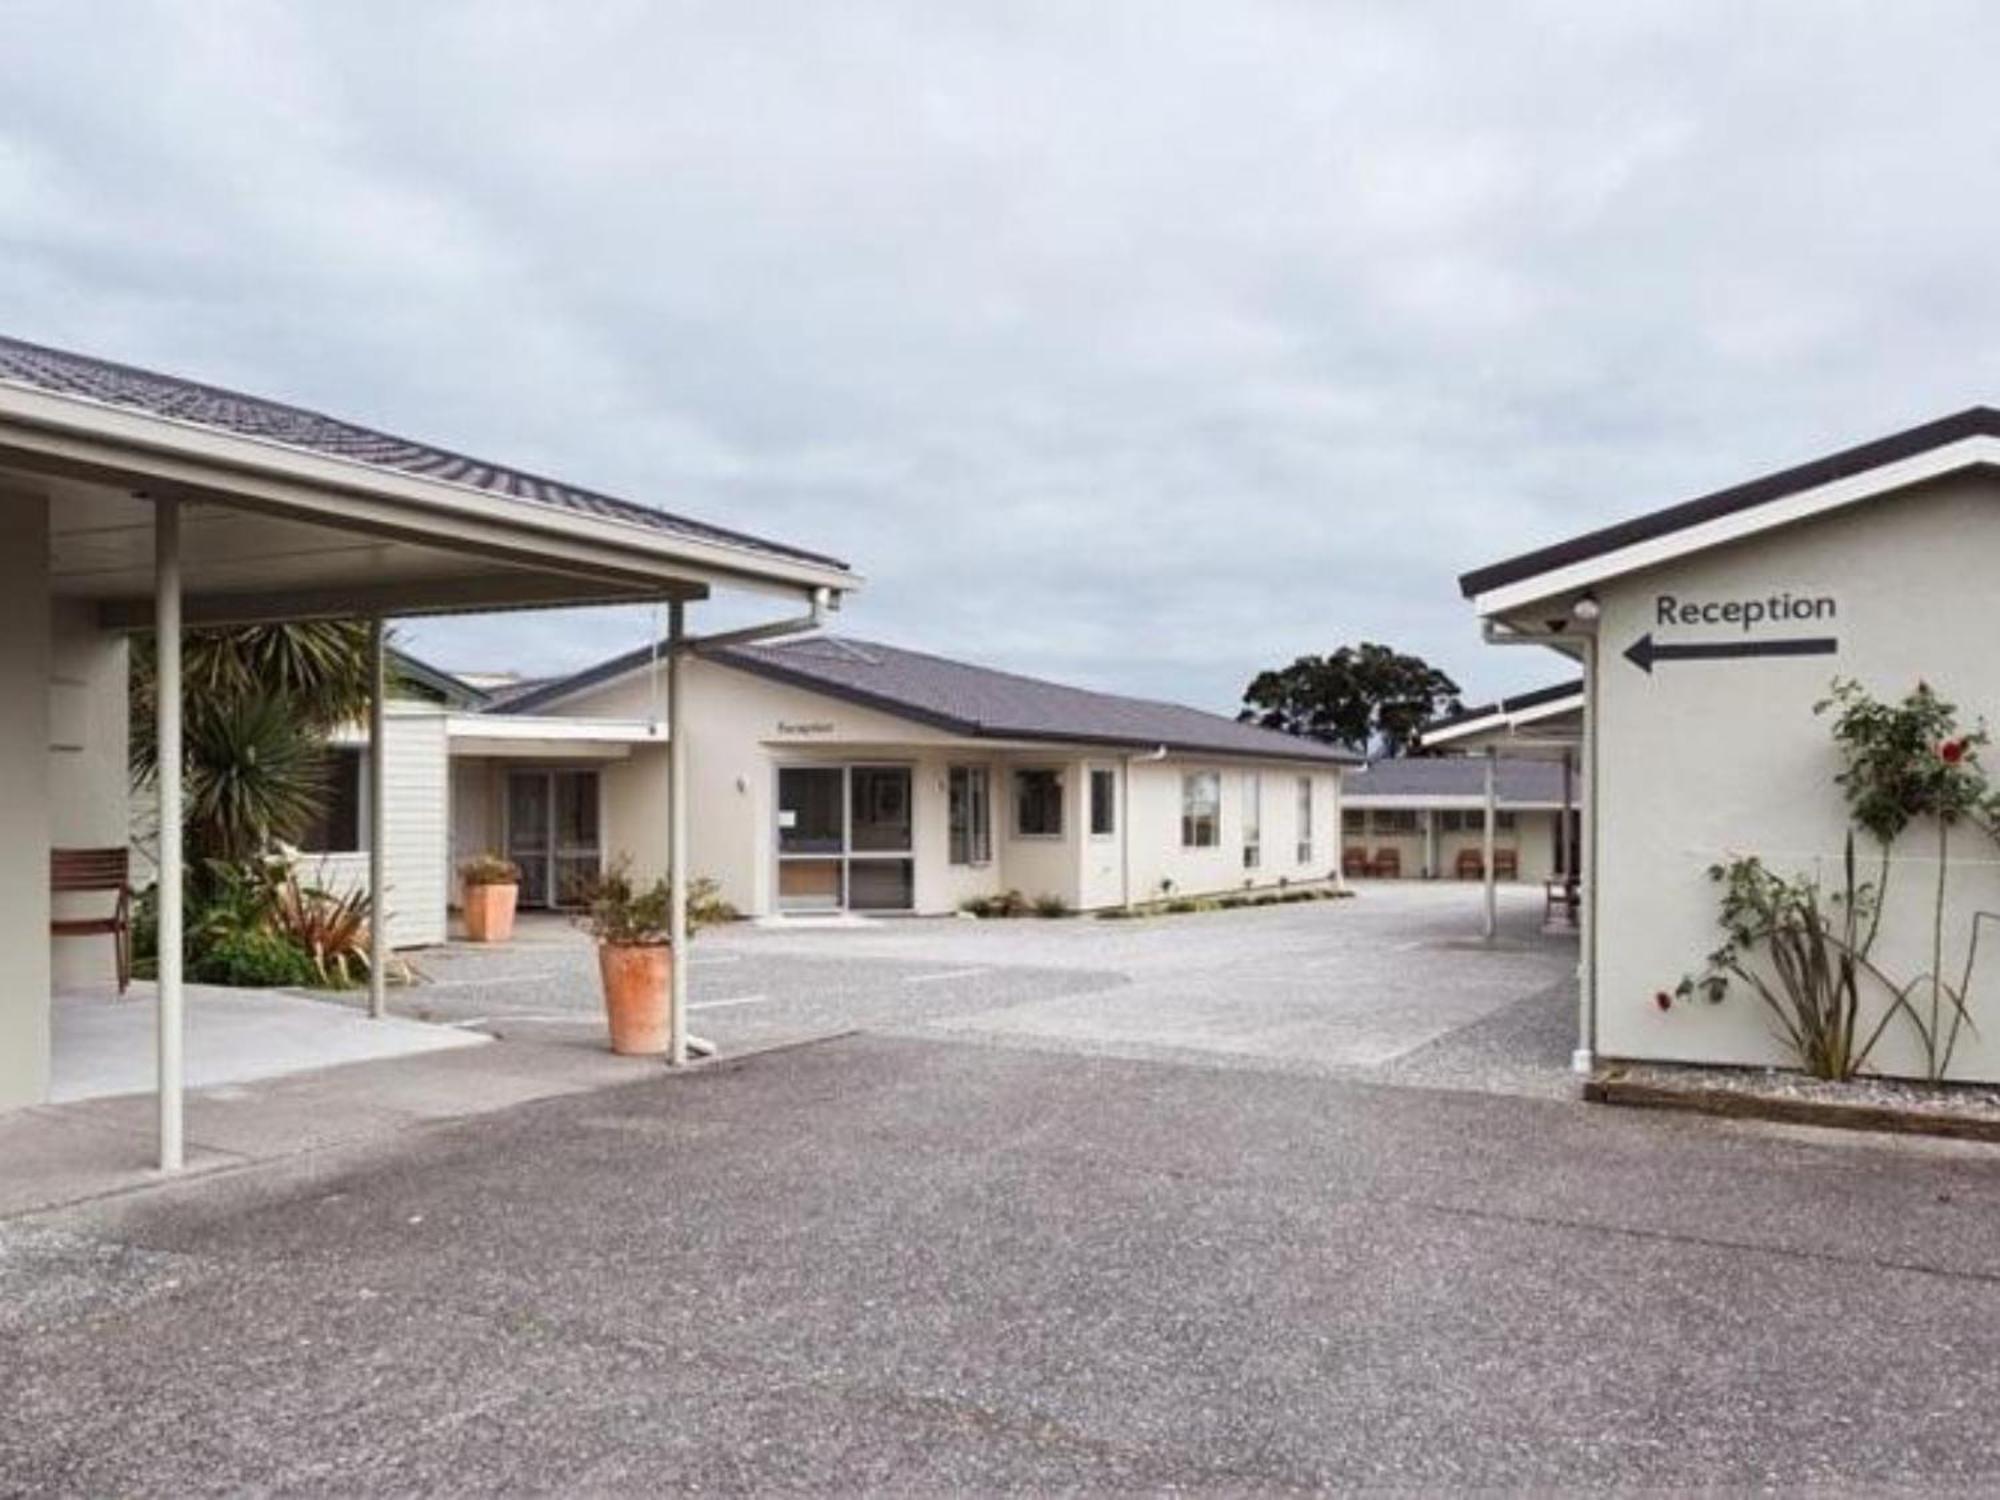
[(1484, 724), (1537, 712), (490, 728), (1576, 577), (27, 412)]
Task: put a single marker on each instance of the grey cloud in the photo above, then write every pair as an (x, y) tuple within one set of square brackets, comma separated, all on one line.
[(1142, 345)]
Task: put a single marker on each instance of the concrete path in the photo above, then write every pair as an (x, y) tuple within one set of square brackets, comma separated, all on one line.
[(105, 1045), (932, 1266)]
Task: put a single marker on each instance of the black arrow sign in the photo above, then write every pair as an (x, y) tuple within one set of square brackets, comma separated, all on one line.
[(1643, 652)]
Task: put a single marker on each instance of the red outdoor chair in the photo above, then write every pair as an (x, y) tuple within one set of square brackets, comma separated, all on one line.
[(1387, 865)]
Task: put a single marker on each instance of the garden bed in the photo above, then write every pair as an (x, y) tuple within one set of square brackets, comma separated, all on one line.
[(1906, 1107)]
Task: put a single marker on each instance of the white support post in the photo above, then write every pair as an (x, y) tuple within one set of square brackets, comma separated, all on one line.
[(167, 735), (677, 832), (378, 911), (1492, 908)]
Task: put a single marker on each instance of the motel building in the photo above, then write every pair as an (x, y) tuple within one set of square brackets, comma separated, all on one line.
[(829, 775), (1424, 817), (137, 501), (1706, 633)]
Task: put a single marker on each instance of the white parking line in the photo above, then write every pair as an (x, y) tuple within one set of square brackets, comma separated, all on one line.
[(716, 958), (490, 981), (738, 1000), (940, 977)]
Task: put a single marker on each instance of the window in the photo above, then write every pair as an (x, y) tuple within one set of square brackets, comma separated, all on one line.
[(1038, 804), (1305, 849), (1253, 820), (1395, 820), (971, 800), (336, 826), (1103, 803), (1353, 820), (1466, 820), (1201, 809)]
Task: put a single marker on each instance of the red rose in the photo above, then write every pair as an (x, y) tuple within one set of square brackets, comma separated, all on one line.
[(1663, 1000), (1952, 751)]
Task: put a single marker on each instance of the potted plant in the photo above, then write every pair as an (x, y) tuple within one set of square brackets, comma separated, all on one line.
[(634, 956), (492, 887)]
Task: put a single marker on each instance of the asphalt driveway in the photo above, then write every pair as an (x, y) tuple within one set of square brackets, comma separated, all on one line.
[(920, 1265)]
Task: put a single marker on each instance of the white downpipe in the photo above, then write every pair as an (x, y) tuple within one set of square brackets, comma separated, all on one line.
[(167, 731), (1584, 1059), (1492, 924), (378, 859), (677, 834)]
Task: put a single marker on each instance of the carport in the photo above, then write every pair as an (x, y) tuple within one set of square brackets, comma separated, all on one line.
[(1551, 723), (131, 500)]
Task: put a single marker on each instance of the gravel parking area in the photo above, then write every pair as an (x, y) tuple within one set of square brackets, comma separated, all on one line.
[(1394, 984)]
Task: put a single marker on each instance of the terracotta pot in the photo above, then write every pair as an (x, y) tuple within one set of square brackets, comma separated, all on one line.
[(636, 979), (489, 912)]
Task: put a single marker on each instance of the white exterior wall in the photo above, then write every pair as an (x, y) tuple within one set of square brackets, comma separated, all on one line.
[(416, 856), (1157, 854), (1704, 759), (25, 818)]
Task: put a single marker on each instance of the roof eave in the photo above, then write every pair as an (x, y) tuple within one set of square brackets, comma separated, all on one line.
[(1971, 440), (55, 424)]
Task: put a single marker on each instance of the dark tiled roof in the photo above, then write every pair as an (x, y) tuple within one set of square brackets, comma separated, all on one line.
[(169, 396), (1516, 782), (1977, 421), (974, 701)]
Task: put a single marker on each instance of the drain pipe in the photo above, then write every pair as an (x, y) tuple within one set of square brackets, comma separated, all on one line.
[(1151, 757), (679, 645)]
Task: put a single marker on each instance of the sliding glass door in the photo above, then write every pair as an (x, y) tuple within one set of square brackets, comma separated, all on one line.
[(553, 835), (846, 838)]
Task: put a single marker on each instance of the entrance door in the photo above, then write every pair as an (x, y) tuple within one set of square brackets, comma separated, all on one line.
[(846, 836), (552, 834), (881, 876), (812, 838)]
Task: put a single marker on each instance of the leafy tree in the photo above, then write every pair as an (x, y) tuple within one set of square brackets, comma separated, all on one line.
[(1370, 698), (257, 703)]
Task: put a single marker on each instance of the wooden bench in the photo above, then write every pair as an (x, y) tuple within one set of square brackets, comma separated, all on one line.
[(97, 872)]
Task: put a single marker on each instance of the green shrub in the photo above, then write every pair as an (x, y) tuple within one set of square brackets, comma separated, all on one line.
[(251, 956), (1051, 906)]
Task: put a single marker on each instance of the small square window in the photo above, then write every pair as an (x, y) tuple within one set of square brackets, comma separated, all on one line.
[(1038, 803)]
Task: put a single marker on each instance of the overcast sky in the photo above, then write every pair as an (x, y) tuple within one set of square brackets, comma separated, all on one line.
[(1140, 345)]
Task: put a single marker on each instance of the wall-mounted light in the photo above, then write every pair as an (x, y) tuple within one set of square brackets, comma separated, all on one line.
[(1586, 608), (742, 783)]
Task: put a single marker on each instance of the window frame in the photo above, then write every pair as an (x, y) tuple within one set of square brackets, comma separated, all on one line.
[(1020, 804), (969, 846), (1306, 816), (1250, 809), (1191, 820), (338, 757), (1105, 777)]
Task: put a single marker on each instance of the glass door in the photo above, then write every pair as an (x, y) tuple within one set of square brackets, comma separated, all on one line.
[(553, 835), (846, 838), (812, 838), (578, 856), (528, 833), (881, 876)]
